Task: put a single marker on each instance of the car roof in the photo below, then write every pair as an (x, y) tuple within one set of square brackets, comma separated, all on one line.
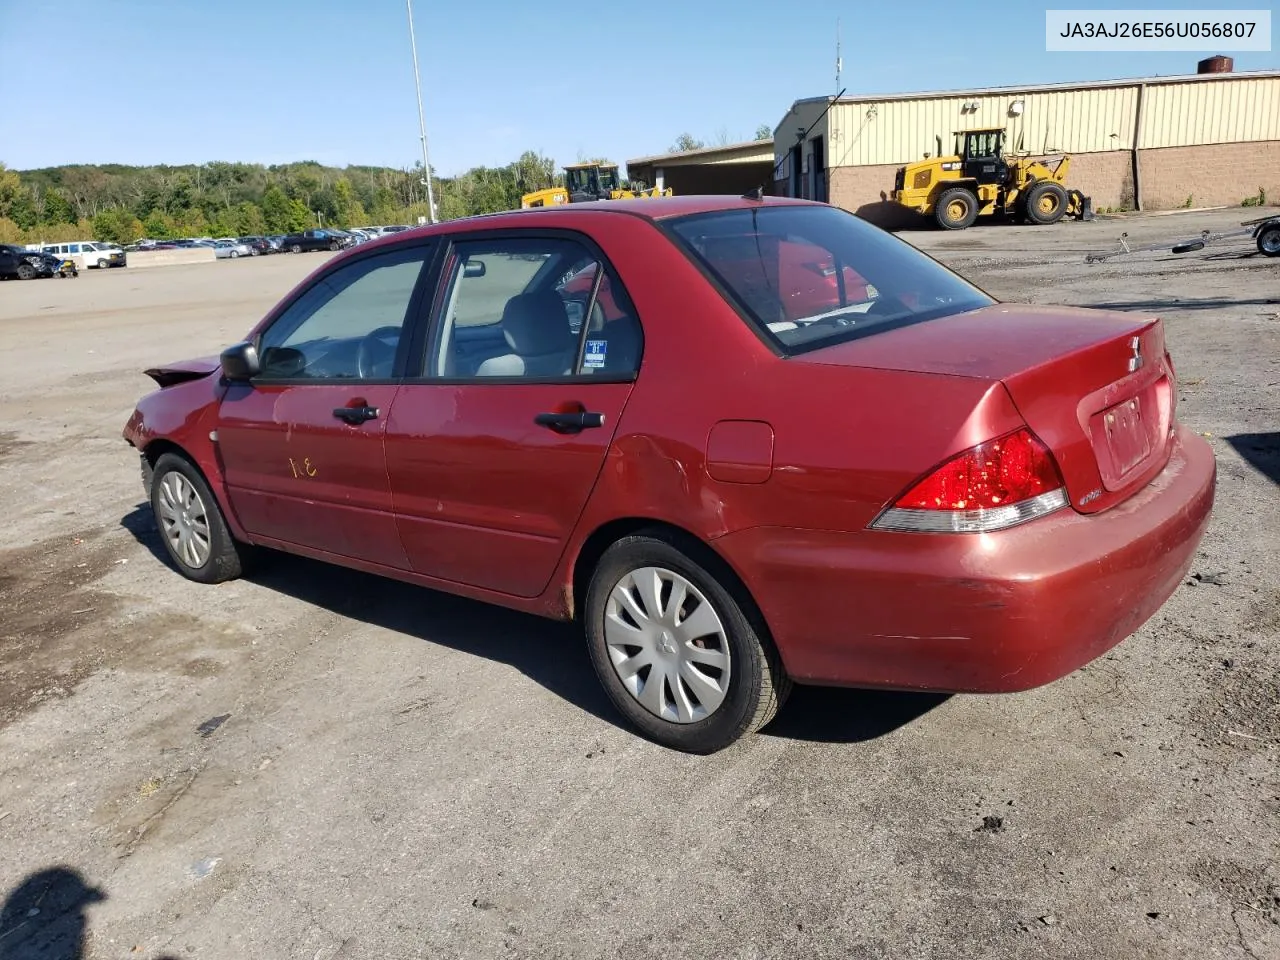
[(650, 208)]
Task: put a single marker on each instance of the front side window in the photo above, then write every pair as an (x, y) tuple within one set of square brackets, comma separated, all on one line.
[(813, 275), (533, 308), (347, 325)]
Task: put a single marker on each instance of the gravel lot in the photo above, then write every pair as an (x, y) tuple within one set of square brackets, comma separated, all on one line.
[(317, 764)]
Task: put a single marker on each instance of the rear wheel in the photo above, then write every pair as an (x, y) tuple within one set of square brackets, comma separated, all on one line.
[(1269, 242), (1046, 202), (296, 248), (675, 649), (956, 209), (192, 527)]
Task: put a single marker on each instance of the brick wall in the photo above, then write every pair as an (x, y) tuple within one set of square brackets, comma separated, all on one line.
[(1212, 175), (1106, 178)]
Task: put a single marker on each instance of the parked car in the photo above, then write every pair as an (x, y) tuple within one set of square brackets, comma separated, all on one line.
[(313, 240), (22, 264), (781, 446), (88, 253), (257, 245), (230, 250)]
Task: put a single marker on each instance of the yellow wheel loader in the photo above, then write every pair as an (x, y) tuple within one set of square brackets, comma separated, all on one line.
[(590, 181), (978, 180)]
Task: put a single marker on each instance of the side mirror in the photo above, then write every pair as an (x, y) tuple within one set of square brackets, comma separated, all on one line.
[(240, 362), (474, 268)]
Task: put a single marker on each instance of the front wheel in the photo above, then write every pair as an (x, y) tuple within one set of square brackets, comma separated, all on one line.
[(26, 271), (195, 535), (1046, 202), (675, 649), (334, 246), (235, 254), (102, 264), (1269, 242)]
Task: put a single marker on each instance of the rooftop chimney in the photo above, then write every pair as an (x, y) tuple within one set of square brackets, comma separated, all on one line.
[(1218, 64)]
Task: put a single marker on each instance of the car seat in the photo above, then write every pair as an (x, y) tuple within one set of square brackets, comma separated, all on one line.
[(536, 328)]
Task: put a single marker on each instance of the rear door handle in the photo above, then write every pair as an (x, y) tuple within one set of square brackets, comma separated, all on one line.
[(356, 415), (570, 422)]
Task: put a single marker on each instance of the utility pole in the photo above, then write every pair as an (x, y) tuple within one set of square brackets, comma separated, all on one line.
[(422, 123)]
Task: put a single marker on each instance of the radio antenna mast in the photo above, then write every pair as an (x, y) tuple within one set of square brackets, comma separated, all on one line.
[(839, 62)]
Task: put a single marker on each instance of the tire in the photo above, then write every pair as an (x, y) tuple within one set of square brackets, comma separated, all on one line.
[(1046, 202), (956, 209), (177, 491), (296, 248), (235, 254), (1269, 242), (102, 264), (334, 247), (26, 271), (756, 685)]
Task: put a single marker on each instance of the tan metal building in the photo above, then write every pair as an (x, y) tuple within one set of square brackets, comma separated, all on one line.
[(732, 168), (1146, 143)]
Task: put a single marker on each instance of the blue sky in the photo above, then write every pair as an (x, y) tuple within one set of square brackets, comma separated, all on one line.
[(271, 81)]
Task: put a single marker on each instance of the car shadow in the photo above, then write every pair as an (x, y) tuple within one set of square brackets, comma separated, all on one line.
[(1261, 450), (839, 715), (549, 652)]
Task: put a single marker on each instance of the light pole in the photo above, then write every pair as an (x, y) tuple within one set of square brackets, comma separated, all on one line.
[(422, 123)]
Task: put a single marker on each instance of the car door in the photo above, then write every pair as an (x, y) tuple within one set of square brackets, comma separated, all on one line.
[(301, 444), (494, 451)]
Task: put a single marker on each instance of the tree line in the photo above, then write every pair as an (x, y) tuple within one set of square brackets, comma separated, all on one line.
[(123, 204)]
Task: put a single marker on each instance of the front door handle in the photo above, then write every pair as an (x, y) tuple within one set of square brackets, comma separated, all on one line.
[(570, 422), (356, 415)]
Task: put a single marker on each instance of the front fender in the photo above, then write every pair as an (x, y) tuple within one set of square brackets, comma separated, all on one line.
[(185, 416)]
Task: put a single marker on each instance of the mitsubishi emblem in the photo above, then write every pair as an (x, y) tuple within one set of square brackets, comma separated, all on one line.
[(1135, 361)]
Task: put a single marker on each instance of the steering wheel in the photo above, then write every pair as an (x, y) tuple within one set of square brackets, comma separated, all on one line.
[(374, 350)]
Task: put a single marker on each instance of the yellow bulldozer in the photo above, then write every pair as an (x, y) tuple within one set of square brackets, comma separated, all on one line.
[(590, 181), (979, 180)]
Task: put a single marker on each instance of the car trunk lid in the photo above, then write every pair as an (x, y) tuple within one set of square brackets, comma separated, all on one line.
[(1097, 387)]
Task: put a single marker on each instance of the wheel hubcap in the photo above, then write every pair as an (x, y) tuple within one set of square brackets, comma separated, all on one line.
[(184, 520), (667, 645)]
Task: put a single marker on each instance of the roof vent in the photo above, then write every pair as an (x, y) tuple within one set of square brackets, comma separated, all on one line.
[(1218, 64)]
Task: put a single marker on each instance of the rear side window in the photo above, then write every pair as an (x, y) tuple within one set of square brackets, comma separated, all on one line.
[(813, 275)]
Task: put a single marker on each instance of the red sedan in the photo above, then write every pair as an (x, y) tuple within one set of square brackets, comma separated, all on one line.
[(743, 442)]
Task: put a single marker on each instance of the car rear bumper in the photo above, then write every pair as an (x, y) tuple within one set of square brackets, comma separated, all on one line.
[(978, 613)]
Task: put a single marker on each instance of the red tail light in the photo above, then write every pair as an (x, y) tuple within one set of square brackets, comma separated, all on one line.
[(994, 485)]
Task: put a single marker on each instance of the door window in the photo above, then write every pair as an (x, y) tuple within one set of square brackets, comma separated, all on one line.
[(533, 309), (347, 325)]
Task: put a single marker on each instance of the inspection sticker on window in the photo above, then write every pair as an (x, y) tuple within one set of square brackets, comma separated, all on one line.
[(593, 359)]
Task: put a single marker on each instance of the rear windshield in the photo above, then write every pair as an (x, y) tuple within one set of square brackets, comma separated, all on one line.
[(813, 275)]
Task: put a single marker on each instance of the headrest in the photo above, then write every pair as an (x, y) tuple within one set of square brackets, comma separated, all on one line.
[(535, 323)]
